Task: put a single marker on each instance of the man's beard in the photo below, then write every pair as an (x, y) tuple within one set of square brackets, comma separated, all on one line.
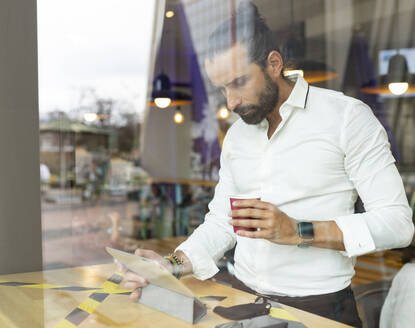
[(268, 99)]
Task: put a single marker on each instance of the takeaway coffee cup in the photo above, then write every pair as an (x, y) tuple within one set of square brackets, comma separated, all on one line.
[(241, 197)]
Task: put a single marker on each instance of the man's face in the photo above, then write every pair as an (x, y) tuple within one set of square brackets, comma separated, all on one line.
[(250, 91)]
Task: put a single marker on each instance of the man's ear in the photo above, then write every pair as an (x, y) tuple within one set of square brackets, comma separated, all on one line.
[(274, 64)]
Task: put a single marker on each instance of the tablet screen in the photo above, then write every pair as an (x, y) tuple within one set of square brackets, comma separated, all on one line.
[(150, 270)]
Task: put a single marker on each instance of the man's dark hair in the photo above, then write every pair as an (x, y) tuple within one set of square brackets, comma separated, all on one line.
[(247, 27)]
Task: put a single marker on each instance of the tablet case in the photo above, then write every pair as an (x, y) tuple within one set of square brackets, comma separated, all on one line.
[(183, 307), (164, 293)]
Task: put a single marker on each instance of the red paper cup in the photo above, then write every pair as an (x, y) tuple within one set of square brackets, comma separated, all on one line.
[(241, 197)]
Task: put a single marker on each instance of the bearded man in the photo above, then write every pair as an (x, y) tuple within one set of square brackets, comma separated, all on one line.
[(308, 153)]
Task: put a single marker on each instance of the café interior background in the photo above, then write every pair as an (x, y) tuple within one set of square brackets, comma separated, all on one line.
[(119, 170)]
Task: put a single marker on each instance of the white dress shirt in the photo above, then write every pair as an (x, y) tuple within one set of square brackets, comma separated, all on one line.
[(327, 149)]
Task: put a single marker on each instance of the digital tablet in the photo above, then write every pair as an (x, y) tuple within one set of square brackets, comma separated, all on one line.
[(150, 270)]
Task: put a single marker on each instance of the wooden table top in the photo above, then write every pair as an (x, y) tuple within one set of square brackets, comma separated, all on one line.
[(36, 307)]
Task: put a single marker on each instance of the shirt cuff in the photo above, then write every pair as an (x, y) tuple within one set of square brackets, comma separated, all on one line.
[(357, 238), (203, 265)]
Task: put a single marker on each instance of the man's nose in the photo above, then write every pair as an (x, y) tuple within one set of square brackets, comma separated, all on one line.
[(233, 100)]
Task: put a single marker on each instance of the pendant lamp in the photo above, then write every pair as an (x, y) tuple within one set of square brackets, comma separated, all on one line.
[(164, 96), (178, 116), (398, 80), (162, 91), (397, 77)]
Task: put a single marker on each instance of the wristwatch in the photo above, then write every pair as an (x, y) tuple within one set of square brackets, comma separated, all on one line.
[(306, 234)]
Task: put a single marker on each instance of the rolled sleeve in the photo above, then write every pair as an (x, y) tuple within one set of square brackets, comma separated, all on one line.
[(370, 166)]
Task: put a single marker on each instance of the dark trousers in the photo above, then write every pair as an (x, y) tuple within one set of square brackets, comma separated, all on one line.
[(339, 306)]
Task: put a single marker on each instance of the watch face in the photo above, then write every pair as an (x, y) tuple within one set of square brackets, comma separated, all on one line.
[(306, 230)]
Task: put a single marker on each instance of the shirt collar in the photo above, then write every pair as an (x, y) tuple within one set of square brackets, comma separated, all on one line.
[(299, 94), (297, 98)]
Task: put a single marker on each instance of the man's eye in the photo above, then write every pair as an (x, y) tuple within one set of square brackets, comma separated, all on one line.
[(239, 82)]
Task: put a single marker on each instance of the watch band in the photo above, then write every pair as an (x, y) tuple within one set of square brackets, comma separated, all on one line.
[(306, 234)]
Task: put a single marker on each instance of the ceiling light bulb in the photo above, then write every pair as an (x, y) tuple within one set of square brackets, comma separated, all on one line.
[(90, 117), (162, 102), (223, 113), (398, 88), (178, 117), (169, 14), (291, 72)]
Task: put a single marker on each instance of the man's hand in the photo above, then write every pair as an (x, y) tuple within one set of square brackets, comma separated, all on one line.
[(135, 281), (271, 223)]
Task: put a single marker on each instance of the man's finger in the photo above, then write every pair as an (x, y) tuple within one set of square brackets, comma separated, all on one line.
[(253, 234), (133, 285), (251, 213), (132, 276), (121, 268), (249, 223), (147, 253), (252, 203), (135, 295)]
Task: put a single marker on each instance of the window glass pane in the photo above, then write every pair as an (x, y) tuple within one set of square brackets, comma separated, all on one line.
[(94, 60), (156, 115)]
